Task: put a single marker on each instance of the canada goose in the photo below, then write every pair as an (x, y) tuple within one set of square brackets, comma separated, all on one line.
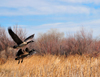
[(21, 55), (18, 54), (19, 42)]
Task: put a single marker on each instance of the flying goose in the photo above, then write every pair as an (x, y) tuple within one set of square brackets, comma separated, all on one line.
[(19, 42), (21, 55)]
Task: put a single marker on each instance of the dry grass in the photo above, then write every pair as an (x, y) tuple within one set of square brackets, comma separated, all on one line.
[(52, 66)]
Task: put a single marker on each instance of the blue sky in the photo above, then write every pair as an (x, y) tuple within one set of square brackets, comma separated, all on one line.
[(38, 16)]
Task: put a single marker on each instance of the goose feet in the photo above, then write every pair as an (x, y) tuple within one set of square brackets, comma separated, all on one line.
[(19, 61), (22, 61)]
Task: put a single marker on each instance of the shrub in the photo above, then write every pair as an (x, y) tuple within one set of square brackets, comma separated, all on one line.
[(54, 42), (49, 42), (80, 43)]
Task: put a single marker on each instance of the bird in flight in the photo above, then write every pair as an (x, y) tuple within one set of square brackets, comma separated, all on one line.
[(21, 55), (19, 42)]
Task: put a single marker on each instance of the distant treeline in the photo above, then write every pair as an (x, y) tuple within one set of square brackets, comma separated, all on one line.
[(53, 42)]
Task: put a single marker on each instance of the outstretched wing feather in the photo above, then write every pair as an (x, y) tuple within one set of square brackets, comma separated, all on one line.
[(14, 36), (29, 38)]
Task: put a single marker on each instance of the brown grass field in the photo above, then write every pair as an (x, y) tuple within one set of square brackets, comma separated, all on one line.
[(52, 66), (81, 49)]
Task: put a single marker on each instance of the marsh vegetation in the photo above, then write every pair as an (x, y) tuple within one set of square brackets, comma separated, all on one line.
[(76, 55)]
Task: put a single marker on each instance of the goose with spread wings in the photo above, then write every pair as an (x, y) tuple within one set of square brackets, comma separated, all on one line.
[(20, 55), (19, 42)]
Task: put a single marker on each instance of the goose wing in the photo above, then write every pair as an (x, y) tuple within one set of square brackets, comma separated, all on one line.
[(19, 52), (32, 52), (29, 38), (14, 36)]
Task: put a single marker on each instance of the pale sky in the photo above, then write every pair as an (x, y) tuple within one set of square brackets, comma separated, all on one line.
[(39, 16)]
